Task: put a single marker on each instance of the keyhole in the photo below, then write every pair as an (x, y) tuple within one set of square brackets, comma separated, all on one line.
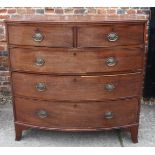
[(75, 105), (75, 80), (74, 54)]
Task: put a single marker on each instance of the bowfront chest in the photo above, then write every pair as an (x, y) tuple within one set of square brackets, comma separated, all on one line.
[(76, 73)]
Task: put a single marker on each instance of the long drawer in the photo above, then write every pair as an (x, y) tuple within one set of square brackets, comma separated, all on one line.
[(53, 36), (110, 35), (56, 60), (72, 115), (103, 87)]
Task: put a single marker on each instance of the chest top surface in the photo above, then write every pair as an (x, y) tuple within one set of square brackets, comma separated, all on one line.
[(76, 19)]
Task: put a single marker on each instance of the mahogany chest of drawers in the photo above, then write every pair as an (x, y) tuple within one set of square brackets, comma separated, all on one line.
[(76, 73)]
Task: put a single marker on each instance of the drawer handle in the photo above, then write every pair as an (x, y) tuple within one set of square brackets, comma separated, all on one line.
[(111, 61), (38, 37), (108, 115), (109, 87), (40, 87), (42, 114), (39, 61), (112, 36)]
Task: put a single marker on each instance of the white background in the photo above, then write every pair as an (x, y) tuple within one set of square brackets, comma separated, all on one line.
[(77, 3)]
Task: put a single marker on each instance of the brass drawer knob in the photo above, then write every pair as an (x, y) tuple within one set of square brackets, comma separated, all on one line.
[(109, 87), (38, 37), (41, 87), (112, 36), (39, 61), (42, 113), (108, 115), (111, 61)]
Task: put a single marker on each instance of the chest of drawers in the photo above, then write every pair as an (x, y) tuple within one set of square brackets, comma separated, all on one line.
[(76, 73)]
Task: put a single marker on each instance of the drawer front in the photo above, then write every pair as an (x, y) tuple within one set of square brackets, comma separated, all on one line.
[(74, 115), (77, 87), (110, 35), (53, 36), (76, 60)]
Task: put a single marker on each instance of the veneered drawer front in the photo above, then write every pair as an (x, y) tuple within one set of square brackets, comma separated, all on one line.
[(76, 87), (97, 36), (45, 60), (72, 115), (52, 36)]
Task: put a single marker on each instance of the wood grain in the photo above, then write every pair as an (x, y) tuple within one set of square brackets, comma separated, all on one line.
[(76, 19), (97, 36), (76, 60), (77, 87), (56, 36), (73, 115)]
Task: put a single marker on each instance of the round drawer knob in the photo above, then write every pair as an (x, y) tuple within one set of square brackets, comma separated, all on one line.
[(38, 37), (112, 36), (40, 86), (42, 113), (109, 87), (111, 61), (108, 115), (39, 62)]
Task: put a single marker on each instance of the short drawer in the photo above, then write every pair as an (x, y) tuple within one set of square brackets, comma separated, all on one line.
[(77, 88), (110, 35), (52, 36), (72, 115), (45, 60)]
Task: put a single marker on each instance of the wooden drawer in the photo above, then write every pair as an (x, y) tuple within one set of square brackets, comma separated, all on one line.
[(77, 87), (53, 36), (97, 36), (46, 60), (72, 115)]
